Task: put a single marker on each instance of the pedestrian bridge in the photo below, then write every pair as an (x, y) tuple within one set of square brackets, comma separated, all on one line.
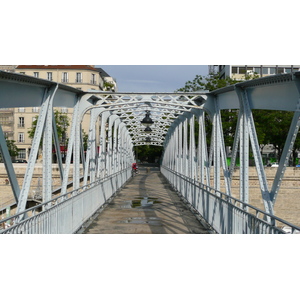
[(193, 163)]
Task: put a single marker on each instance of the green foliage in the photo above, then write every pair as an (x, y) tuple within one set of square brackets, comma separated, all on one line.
[(276, 131), (108, 86), (12, 148), (271, 126), (148, 153), (207, 83), (62, 124), (85, 140)]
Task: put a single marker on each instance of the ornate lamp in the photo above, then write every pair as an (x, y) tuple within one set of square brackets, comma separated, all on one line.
[(147, 121), (148, 129)]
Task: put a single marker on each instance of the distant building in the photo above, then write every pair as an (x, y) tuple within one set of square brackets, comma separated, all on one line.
[(16, 122), (8, 68), (239, 71)]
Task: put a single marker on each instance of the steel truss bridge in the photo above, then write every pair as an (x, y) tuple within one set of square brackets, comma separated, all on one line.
[(91, 178)]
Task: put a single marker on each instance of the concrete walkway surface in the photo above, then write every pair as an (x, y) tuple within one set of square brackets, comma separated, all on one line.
[(146, 205)]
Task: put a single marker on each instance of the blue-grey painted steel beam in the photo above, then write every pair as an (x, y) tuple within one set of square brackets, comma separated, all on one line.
[(8, 166)]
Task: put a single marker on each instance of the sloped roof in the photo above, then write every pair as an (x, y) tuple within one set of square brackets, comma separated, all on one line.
[(66, 67)]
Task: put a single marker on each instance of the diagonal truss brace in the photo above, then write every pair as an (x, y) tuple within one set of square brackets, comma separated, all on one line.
[(46, 103), (246, 121)]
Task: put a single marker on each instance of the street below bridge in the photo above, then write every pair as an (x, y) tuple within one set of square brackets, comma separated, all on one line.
[(147, 204)]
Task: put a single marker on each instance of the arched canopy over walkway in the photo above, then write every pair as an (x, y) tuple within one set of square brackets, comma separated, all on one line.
[(116, 125)]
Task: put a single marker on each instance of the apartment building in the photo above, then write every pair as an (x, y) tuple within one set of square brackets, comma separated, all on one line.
[(239, 71), (16, 122)]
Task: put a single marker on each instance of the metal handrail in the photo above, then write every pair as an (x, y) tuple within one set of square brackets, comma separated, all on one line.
[(20, 218), (235, 202)]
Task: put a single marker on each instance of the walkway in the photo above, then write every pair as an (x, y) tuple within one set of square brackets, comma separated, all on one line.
[(146, 205)]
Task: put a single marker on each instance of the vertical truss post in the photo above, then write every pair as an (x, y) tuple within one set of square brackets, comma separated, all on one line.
[(244, 158), (177, 151), (122, 143), (180, 147), (74, 127), (192, 155), (102, 141), (185, 148), (76, 155), (202, 151), (216, 152), (221, 147), (90, 153), (47, 155), (115, 146)]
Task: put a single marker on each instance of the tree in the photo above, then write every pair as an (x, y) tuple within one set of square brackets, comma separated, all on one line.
[(208, 83), (62, 124), (229, 117), (277, 130), (278, 121), (13, 150)]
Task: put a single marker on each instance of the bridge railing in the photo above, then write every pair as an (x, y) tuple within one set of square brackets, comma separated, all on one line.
[(66, 213), (224, 213)]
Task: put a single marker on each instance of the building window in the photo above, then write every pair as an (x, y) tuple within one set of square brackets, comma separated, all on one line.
[(265, 70), (78, 77), (21, 109), (280, 70), (21, 137), (21, 123), (36, 74), (234, 70), (22, 154), (257, 70), (23, 73), (49, 76), (4, 120), (242, 70), (64, 77), (35, 109), (93, 81), (272, 71)]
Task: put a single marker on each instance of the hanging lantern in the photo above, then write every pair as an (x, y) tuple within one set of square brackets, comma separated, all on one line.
[(147, 121)]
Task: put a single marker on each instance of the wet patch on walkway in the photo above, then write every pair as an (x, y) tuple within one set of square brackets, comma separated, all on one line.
[(140, 203), (140, 220)]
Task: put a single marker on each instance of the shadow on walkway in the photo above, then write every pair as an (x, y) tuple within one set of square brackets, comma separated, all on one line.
[(146, 205)]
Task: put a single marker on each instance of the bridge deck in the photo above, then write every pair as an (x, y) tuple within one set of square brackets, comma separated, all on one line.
[(146, 205)]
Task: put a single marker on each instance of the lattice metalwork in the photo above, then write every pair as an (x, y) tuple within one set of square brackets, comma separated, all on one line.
[(116, 126)]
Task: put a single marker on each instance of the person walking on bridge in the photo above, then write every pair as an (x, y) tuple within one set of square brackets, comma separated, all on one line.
[(135, 168)]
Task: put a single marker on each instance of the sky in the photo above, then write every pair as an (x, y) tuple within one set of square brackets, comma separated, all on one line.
[(153, 78)]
